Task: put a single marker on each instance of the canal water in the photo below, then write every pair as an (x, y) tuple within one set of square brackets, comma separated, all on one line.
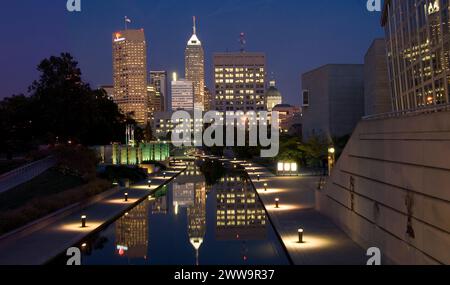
[(189, 222)]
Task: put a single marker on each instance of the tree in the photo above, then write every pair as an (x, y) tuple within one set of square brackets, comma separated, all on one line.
[(61, 108)]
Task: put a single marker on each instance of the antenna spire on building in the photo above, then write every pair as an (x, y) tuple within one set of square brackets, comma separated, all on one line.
[(194, 27), (243, 41)]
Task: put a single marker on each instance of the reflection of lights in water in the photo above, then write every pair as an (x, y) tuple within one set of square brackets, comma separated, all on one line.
[(176, 208), (121, 250)]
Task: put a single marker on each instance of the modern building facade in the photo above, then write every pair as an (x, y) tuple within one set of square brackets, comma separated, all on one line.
[(333, 100), (182, 95), (377, 94), (155, 100), (273, 96), (195, 67), (209, 104), (160, 81), (418, 49), (239, 81), (130, 73)]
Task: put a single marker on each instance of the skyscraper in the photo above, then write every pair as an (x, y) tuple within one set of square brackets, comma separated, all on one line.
[(418, 49), (130, 73), (195, 67), (154, 100), (159, 80), (182, 94), (239, 81)]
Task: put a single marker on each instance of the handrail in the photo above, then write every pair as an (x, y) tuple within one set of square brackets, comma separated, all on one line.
[(409, 113)]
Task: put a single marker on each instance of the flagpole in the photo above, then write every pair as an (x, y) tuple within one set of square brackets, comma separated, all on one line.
[(126, 25)]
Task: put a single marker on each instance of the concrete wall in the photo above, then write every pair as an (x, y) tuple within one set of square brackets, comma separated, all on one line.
[(377, 94), (387, 165), (336, 100)]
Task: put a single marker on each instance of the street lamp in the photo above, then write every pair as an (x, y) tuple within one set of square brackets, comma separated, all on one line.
[(300, 235), (277, 203), (83, 221), (331, 159)]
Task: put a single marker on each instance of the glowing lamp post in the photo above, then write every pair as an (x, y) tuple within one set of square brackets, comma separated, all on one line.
[(277, 203), (258, 177), (165, 174), (126, 197), (265, 187), (300, 235), (331, 159), (83, 221), (149, 184)]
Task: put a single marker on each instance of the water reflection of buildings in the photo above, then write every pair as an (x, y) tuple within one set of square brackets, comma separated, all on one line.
[(132, 233), (160, 206), (240, 215), (196, 214)]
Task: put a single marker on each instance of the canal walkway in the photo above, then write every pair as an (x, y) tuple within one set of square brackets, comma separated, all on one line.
[(323, 242), (40, 246)]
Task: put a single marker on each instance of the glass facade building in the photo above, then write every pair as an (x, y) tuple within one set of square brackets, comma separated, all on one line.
[(418, 43)]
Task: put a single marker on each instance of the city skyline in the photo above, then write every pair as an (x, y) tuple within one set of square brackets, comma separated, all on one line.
[(168, 24)]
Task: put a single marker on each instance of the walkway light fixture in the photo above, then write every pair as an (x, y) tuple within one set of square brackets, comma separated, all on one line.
[(300, 235), (259, 177), (149, 183), (265, 187), (165, 174), (331, 159), (83, 221), (126, 197), (277, 203)]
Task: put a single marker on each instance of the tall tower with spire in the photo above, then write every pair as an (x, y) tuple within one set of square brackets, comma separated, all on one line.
[(195, 67)]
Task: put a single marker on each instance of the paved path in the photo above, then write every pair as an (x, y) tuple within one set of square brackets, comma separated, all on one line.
[(43, 245), (324, 243)]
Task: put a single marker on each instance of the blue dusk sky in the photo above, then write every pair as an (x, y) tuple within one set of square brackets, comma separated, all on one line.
[(296, 35)]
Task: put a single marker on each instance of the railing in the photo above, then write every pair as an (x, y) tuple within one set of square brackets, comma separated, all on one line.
[(409, 113), (25, 173)]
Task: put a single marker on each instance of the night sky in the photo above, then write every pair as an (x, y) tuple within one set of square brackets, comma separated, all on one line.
[(296, 35)]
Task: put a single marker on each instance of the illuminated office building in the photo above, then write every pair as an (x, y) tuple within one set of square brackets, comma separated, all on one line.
[(418, 43), (130, 73), (159, 80), (239, 81), (182, 94), (195, 68)]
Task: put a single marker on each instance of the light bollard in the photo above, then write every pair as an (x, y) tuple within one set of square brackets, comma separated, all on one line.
[(265, 187), (300, 235), (126, 197), (277, 203), (83, 221)]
